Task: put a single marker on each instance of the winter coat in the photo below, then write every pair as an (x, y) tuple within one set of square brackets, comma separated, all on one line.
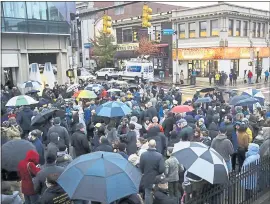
[(266, 132), (63, 159), (24, 118), (252, 157), (186, 130), (172, 169), (168, 125), (54, 194), (12, 132), (52, 147), (229, 130), (223, 146), (253, 123), (243, 140), (191, 121), (151, 165), (213, 128), (265, 147), (105, 147), (80, 143), (25, 167), (123, 154), (39, 180), (151, 112), (130, 139), (138, 126), (62, 132), (11, 199), (155, 134), (162, 197), (39, 147), (112, 136), (132, 199)]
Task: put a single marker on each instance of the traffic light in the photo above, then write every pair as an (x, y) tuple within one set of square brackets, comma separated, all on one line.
[(107, 24), (158, 36), (135, 36), (146, 16)]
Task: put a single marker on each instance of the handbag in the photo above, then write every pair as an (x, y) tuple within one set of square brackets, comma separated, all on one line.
[(32, 175)]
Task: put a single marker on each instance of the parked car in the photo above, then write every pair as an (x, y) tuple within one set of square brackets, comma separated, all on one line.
[(107, 73), (86, 76)]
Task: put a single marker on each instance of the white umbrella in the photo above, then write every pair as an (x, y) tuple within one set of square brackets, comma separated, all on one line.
[(72, 87), (31, 84), (114, 90), (21, 100)]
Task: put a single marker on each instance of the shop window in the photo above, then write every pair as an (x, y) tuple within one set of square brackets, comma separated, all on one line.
[(230, 28), (203, 26), (192, 30), (245, 28), (182, 30), (203, 67), (127, 35), (254, 30), (258, 30), (235, 66), (238, 28), (214, 28), (262, 30)]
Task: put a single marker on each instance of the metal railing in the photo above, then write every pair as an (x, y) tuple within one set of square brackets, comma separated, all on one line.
[(243, 188)]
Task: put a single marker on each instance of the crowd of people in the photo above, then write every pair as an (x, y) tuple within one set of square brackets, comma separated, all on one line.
[(145, 137)]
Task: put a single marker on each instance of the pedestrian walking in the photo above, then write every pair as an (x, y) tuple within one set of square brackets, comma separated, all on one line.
[(250, 75), (266, 75)]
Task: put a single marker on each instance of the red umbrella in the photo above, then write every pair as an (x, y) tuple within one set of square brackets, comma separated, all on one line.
[(75, 95), (182, 109)]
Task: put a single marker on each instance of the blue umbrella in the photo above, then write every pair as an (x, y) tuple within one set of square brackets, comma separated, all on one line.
[(204, 100), (113, 109), (247, 102), (255, 94), (100, 176), (235, 99)]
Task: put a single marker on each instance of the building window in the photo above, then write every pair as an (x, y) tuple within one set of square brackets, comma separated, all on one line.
[(245, 28), (192, 30), (119, 10), (182, 30), (14, 9), (127, 35), (203, 26), (53, 12), (203, 67), (214, 28), (258, 30), (230, 28), (263, 30), (36, 10), (238, 28), (235, 66), (254, 30)]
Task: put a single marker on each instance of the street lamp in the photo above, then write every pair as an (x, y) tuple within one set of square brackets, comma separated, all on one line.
[(257, 70)]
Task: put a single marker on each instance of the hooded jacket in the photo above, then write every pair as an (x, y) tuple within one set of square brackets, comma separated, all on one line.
[(213, 127), (80, 142), (155, 134), (253, 123), (54, 194), (252, 157), (53, 145), (24, 118), (223, 146), (11, 199), (25, 167), (191, 121), (168, 125)]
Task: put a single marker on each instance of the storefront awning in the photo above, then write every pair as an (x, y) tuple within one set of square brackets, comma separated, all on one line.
[(125, 54)]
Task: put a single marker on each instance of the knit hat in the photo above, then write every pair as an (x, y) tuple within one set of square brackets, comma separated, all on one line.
[(134, 119)]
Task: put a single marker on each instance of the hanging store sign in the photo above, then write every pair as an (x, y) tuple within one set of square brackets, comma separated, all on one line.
[(219, 53), (129, 46)]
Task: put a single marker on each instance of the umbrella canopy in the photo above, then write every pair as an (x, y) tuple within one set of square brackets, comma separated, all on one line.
[(45, 115), (100, 176), (72, 87), (113, 109), (246, 102), (255, 94), (93, 87), (235, 99), (114, 90), (43, 101), (182, 109), (22, 100), (13, 152), (30, 84), (32, 92), (75, 95), (204, 100), (205, 90), (195, 155), (87, 94)]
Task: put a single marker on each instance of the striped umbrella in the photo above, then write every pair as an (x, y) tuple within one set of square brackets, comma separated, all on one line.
[(21, 100), (255, 94), (31, 84), (113, 109), (87, 94)]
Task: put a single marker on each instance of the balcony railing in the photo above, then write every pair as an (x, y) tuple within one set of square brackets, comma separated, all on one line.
[(20, 25)]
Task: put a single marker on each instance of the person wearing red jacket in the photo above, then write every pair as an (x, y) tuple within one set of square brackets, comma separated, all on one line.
[(26, 170), (250, 75)]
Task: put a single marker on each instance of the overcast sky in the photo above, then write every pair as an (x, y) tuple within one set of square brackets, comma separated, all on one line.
[(253, 4)]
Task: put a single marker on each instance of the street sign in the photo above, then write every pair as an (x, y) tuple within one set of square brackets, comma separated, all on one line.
[(167, 31), (87, 45)]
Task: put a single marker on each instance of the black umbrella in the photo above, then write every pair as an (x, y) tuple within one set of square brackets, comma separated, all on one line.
[(205, 90), (45, 115), (32, 92), (13, 152)]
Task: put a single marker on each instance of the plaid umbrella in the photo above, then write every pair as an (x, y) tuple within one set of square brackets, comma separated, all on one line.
[(21, 100), (195, 155), (30, 84)]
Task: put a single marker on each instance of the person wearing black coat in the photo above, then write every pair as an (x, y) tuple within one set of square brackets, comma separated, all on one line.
[(155, 134), (104, 145), (161, 196), (190, 121), (229, 127), (151, 111), (168, 124), (151, 165), (214, 127), (24, 120), (79, 141), (173, 139), (130, 139), (131, 199)]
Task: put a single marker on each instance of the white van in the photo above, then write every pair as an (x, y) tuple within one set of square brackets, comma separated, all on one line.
[(135, 70)]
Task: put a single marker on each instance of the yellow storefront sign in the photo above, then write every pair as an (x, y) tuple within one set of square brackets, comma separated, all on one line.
[(219, 53), (129, 46)]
